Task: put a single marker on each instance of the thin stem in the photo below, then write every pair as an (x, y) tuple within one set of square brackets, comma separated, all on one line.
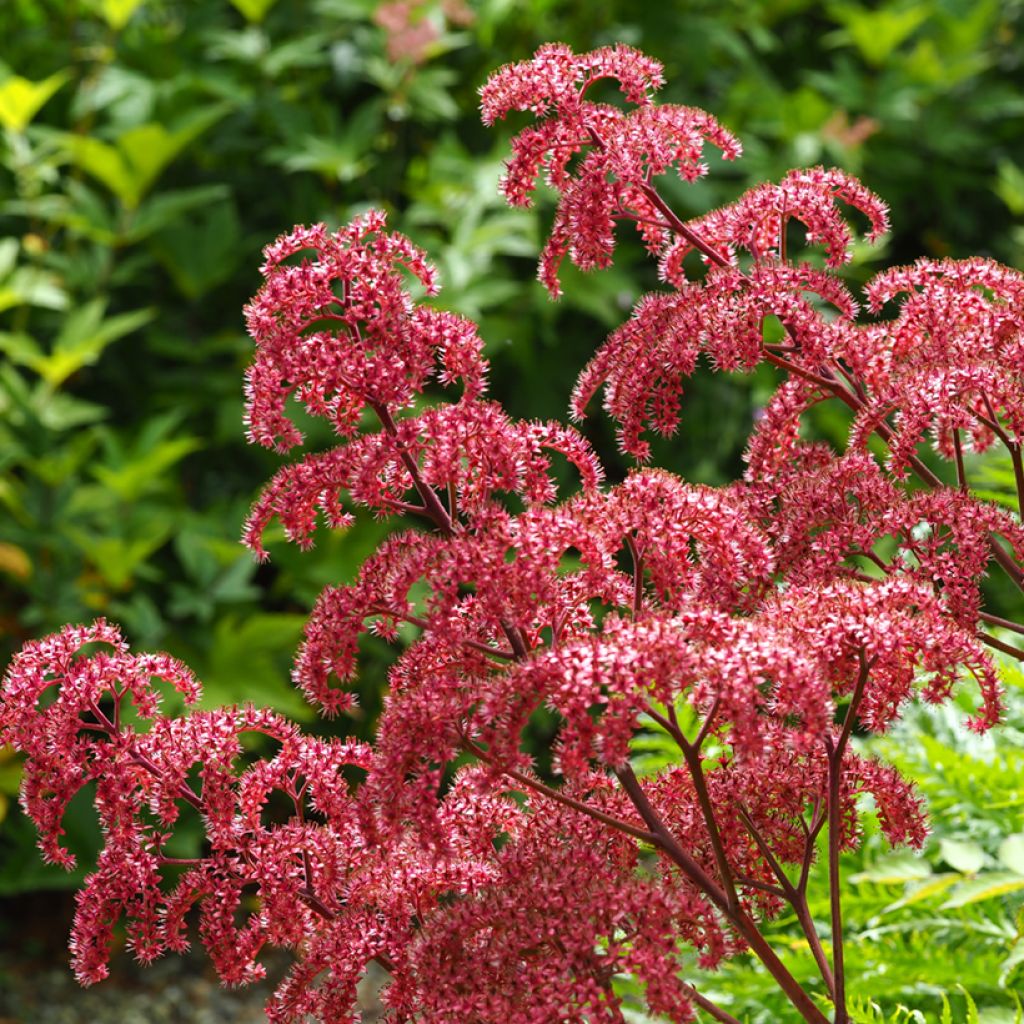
[(753, 883), (991, 641), (435, 510), (813, 831), (638, 575), (1009, 566), (1018, 475), (567, 801), (735, 915), (993, 422), (713, 1009), (672, 728), (665, 840), (709, 719), (797, 897), (995, 620), (516, 641), (961, 475), (680, 228), (835, 893), (829, 383), (414, 620), (836, 752), (316, 904), (700, 785)]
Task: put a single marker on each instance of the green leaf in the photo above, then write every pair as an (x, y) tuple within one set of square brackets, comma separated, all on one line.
[(167, 208), (878, 32), (59, 411), (250, 657), (1009, 969), (133, 477), (254, 11), (202, 252), (926, 888), (893, 870), (82, 339), (117, 559), (130, 165), (1011, 853), (1010, 186), (972, 1009), (967, 858), (343, 155), (985, 887), (117, 13), (21, 99), (31, 286)]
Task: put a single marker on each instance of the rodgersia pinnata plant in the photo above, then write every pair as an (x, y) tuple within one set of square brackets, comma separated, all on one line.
[(759, 625)]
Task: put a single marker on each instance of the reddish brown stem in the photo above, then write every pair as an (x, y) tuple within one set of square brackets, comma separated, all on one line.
[(995, 620), (738, 917), (695, 765), (434, 508), (710, 1008), (638, 575), (1018, 475), (561, 798), (797, 897), (836, 751), (961, 475), (991, 641), (415, 620)]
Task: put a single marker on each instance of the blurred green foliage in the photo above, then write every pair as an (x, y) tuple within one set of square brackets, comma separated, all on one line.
[(150, 148)]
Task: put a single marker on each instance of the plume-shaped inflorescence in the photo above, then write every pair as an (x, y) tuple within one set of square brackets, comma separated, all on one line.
[(757, 625)]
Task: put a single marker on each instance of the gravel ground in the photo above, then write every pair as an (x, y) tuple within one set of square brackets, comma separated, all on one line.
[(37, 987), (177, 990)]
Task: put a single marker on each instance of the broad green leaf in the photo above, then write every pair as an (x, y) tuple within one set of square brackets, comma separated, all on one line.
[(202, 251), (878, 32), (1011, 853), (893, 870), (1009, 968), (251, 656), (130, 166), (26, 285), (967, 858), (132, 478), (82, 339), (32, 286), (926, 888), (21, 100), (985, 887), (9, 249), (21, 349), (254, 11), (1010, 186), (117, 13), (104, 162), (167, 208), (60, 411), (117, 559)]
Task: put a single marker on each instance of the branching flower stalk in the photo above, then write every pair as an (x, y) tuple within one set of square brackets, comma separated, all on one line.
[(759, 624)]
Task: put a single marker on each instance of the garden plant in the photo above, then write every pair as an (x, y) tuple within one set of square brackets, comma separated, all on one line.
[(759, 627)]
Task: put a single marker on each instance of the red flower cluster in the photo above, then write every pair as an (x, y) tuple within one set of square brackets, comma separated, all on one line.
[(756, 625)]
